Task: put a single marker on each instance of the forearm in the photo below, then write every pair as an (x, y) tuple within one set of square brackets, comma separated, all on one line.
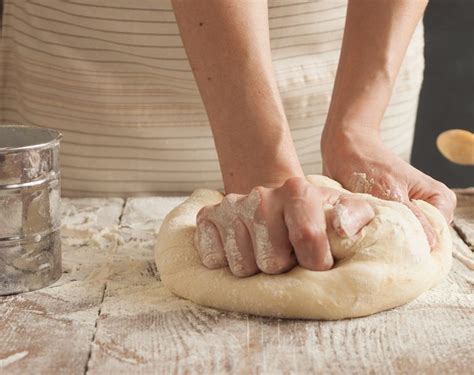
[(376, 36), (227, 44)]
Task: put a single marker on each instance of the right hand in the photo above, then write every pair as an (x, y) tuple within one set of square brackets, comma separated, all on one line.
[(273, 229)]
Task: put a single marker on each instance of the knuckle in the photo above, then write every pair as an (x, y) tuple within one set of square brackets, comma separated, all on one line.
[(259, 190), (256, 202), (452, 197), (226, 212), (317, 259), (213, 260), (305, 235), (325, 263), (243, 271), (442, 189), (273, 264), (293, 185), (203, 213), (445, 197), (230, 199), (256, 196), (206, 238)]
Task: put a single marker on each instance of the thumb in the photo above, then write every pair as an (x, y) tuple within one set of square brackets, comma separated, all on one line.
[(427, 227), (349, 215)]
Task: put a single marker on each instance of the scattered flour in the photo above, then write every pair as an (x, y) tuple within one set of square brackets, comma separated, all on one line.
[(12, 358)]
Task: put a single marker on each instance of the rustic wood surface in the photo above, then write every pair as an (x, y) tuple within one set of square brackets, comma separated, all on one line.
[(109, 314), (464, 216)]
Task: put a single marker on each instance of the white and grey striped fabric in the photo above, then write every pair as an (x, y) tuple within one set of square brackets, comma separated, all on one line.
[(113, 77)]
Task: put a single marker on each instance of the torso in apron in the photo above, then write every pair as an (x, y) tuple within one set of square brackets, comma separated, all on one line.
[(113, 77)]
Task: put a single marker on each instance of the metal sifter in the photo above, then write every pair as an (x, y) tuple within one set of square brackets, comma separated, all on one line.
[(30, 245)]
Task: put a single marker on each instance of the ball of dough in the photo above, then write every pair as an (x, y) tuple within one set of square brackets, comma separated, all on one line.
[(387, 264)]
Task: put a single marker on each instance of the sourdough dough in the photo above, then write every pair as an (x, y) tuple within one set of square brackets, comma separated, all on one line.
[(387, 264)]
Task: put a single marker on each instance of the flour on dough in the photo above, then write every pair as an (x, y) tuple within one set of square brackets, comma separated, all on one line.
[(387, 264)]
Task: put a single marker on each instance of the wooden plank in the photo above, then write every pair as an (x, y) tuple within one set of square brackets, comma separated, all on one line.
[(89, 235), (143, 329), (141, 216), (50, 331), (133, 290), (464, 215), (462, 252)]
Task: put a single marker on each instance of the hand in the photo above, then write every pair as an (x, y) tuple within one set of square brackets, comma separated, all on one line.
[(273, 229), (362, 164)]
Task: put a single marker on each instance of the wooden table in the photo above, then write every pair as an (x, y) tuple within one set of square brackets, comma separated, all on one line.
[(110, 314)]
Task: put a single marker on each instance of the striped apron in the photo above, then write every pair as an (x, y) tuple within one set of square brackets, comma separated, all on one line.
[(113, 77)]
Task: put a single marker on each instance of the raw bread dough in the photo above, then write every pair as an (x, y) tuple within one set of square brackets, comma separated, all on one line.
[(387, 264)]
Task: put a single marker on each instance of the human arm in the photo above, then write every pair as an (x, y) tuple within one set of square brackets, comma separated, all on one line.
[(228, 47), (282, 221), (376, 37)]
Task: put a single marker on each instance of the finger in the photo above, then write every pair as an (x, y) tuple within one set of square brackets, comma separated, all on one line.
[(306, 224), (427, 227), (236, 239), (239, 250), (272, 248), (209, 245), (350, 215), (445, 203)]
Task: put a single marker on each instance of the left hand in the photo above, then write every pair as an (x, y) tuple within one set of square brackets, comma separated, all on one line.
[(362, 164)]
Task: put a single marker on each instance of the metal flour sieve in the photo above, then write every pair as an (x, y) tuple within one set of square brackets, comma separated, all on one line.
[(30, 244)]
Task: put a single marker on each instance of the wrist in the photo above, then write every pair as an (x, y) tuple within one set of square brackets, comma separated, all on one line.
[(357, 109), (342, 137), (242, 179), (262, 156), (346, 144)]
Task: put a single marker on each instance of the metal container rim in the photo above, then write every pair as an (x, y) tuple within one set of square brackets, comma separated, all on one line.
[(55, 139)]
